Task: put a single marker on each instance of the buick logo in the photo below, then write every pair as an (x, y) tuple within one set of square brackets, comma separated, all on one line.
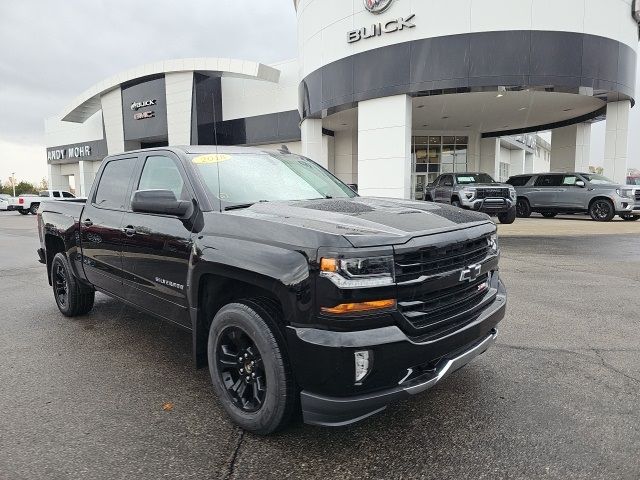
[(146, 103), (471, 273), (377, 6)]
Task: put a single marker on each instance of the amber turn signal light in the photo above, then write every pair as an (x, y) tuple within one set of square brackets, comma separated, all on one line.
[(345, 308), (329, 265)]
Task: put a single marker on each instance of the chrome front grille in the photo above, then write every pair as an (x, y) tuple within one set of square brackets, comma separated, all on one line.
[(429, 261)]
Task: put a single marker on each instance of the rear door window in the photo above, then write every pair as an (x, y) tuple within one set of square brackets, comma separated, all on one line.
[(114, 184), (549, 181), (518, 181)]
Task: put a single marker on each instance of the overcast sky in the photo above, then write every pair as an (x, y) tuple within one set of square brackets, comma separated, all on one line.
[(51, 51)]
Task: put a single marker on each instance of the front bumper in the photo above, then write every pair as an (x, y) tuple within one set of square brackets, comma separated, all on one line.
[(625, 205), (489, 205), (406, 367)]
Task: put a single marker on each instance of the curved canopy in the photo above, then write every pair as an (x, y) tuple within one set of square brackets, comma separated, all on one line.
[(88, 103)]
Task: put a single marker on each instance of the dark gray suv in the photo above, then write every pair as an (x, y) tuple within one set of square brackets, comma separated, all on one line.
[(554, 193)]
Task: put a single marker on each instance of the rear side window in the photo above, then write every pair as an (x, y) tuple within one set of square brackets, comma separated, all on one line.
[(549, 181), (518, 181), (114, 184), (161, 173)]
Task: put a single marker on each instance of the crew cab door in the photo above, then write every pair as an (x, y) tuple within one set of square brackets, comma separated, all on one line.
[(101, 223), (157, 248)]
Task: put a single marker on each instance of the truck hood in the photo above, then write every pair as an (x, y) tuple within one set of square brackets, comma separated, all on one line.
[(366, 222)]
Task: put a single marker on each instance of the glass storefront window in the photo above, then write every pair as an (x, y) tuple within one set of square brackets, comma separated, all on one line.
[(435, 155)]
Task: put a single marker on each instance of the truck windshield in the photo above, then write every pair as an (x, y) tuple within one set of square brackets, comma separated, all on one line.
[(471, 178), (598, 179), (245, 179)]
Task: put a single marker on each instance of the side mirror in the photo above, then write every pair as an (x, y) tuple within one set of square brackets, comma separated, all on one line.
[(580, 184), (159, 202)]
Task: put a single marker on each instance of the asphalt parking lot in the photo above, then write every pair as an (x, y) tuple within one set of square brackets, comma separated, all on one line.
[(557, 397)]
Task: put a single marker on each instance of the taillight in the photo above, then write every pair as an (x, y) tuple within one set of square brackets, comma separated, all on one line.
[(21, 201)]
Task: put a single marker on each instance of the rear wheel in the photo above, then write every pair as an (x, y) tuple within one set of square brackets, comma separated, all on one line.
[(72, 298), (523, 208), (249, 366), (456, 203), (549, 214), (601, 210), (629, 217), (508, 217), (34, 208)]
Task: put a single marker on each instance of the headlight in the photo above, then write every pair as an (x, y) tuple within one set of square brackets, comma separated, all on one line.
[(624, 192), (493, 243), (512, 193), (469, 192), (358, 272)]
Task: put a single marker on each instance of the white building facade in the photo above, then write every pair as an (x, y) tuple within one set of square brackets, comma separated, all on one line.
[(387, 94)]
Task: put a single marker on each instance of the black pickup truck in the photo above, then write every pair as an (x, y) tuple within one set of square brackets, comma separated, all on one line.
[(298, 293)]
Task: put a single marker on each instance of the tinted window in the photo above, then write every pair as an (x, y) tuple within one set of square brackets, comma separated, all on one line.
[(447, 181), (67, 195), (56, 194), (161, 173), (518, 181), (114, 183), (549, 181)]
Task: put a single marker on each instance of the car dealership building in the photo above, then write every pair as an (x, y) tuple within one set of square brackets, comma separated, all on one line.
[(387, 94)]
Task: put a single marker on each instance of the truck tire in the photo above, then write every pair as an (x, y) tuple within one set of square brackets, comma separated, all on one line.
[(508, 217), (24, 212), (249, 366), (523, 208), (602, 210), (456, 203), (72, 298), (34, 208)]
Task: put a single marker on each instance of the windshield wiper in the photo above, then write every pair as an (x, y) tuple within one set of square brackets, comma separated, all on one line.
[(243, 205)]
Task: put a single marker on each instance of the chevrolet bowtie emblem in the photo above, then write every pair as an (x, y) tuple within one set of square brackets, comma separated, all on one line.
[(470, 273)]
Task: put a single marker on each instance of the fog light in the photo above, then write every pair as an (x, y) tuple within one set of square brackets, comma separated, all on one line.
[(363, 364)]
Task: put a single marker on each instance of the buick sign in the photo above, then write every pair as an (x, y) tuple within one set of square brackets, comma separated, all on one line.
[(381, 28), (147, 103), (377, 6)]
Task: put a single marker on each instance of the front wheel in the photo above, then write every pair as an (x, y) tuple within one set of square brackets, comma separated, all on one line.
[(72, 298), (601, 210), (523, 208), (508, 217), (249, 366), (630, 217)]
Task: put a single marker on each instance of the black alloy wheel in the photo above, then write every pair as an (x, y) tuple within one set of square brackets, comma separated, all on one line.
[(601, 210), (60, 285), (241, 370), (523, 209)]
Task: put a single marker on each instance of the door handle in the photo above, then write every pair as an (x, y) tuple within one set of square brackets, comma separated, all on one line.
[(87, 223), (129, 231)]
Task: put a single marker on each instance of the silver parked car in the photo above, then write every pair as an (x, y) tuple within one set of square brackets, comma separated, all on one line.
[(474, 191), (554, 193)]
